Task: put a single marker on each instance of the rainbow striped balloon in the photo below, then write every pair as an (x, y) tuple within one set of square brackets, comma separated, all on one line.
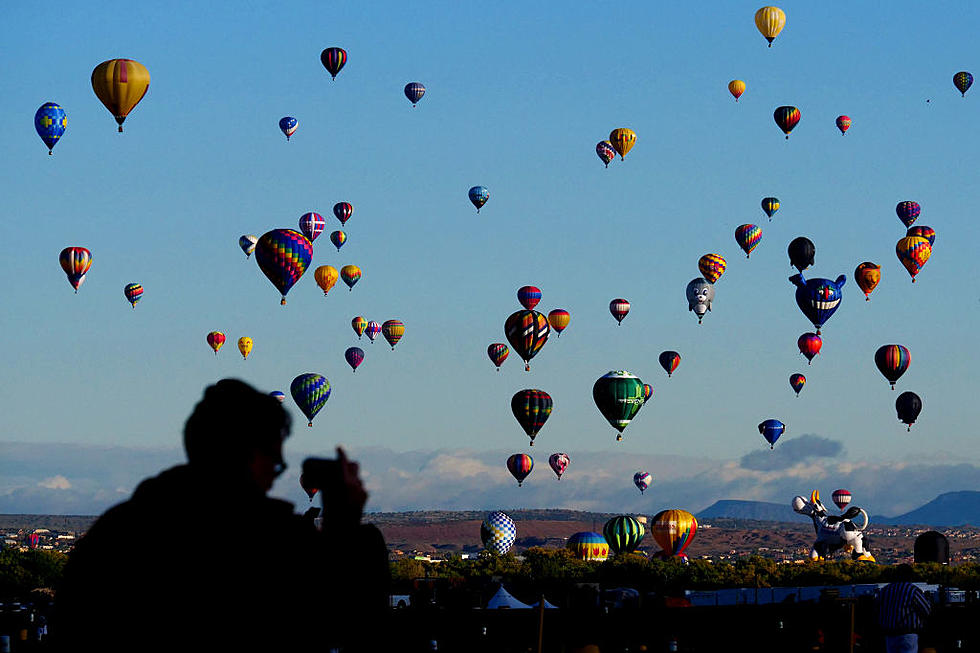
[(748, 236), (712, 266), (133, 292)]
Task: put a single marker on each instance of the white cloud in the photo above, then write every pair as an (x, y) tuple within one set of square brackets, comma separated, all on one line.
[(58, 482)]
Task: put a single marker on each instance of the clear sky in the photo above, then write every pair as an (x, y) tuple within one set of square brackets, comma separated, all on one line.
[(518, 95)]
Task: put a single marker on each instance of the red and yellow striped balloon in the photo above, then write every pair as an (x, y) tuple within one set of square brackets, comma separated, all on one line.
[(913, 252), (712, 266)]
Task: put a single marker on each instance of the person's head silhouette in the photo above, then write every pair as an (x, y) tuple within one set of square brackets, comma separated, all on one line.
[(236, 431)]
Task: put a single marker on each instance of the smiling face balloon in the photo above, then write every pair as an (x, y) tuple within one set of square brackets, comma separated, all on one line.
[(700, 294), (818, 298)]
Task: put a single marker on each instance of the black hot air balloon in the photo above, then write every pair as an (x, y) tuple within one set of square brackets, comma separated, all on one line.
[(531, 408), (801, 252), (908, 405)]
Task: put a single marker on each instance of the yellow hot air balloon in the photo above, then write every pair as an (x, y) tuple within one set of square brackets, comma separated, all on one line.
[(622, 140), (770, 21), (673, 530), (326, 276), (120, 84), (245, 346), (736, 87)]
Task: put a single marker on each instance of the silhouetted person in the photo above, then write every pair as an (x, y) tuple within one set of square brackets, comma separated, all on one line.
[(902, 612), (199, 558)]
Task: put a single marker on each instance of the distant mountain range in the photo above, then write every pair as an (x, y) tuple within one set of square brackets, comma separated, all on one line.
[(949, 509)]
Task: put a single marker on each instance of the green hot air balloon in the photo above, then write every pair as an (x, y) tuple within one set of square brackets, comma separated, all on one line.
[(619, 397), (623, 534)]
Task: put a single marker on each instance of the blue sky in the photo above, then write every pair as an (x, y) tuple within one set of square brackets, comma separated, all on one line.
[(517, 97)]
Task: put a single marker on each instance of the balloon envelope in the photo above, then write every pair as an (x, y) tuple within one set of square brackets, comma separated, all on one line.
[(589, 546), (559, 463), (520, 465), (50, 122), (76, 262), (527, 332), (312, 224), (818, 299), (770, 205), (247, 243), (529, 296), (669, 360), (700, 294), (414, 92), (343, 211), (908, 405), (351, 274), (736, 87), (133, 292), (913, 252), (797, 381), (642, 480), (843, 123), (478, 196), (333, 59), (771, 429), (283, 256), (498, 532), (393, 330), (786, 118), (963, 81), (245, 346), (908, 211), (619, 397), (288, 126), (801, 252), (770, 22), (559, 319), (622, 140), (892, 361), (338, 238), (925, 232), (623, 534), (748, 237), (372, 330), (619, 308), (310, 392), (326, 276), (712, 266), (120, 84), (354, 356), (867, 275), (216, 340), (674, 530), (531, 408), (359, 324), (841, 497), (605, 151), (498, 353), (809, 344)]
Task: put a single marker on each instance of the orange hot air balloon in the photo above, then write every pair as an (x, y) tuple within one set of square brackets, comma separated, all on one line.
[(736, 87), (326, 276), (559, 319), (120, 84), (622, 140), (913, 252), (867, 275), (673, 530)]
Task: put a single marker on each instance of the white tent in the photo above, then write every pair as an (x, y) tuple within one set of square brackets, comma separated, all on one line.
[(503, 599)]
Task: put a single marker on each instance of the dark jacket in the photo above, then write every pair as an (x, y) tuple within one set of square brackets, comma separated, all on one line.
[(194, 562)]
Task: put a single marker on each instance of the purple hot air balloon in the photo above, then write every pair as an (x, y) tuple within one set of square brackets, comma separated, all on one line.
[(311, 224), (354, 356)]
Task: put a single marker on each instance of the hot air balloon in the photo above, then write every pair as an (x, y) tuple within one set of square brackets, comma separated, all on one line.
[(908, 211), (350, 274), (338, 238), (414, 92), (797, 381), (343, 211), (354, 356), (333, 59), (913, 252), (669, 360), (498, 532), (283, 256), (133, 292), (892, 361), (307, 485), (642, 480), (622, 140), (312, 224), (818, 298), (216, 340), (529, 296), (478, 196), (647, 392), (736, 87), (326, 276), (963, 81), (247, 243), (359, 324), (748, 236), (867, 275), (605, 151), (843, 124), (245, 346), (372, 330), (50, 121), (770, 22), (786, 118), (770, 205), (559, 319), (310, 392), (588, 546), (619, 308), (908, 405), (771, 429), (527, 332), (559, 463), (120, 84), (801, 252), (700, 294), (76, 262), (393, 330), (712, 266), (520, 465), (498, 353), (809, 344), (673, 530), (288, 126), (623, 534), (619, 397), (925, 232), (277, 394), (531, 408), (841, 497)]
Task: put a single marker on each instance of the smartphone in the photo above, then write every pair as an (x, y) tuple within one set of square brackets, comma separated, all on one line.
[(323, 474)]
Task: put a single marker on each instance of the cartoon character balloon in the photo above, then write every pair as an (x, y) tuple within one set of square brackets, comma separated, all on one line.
[(333, 59), (478, 196), (216, 341), (373, 330), (809, 344), (908, 212), (245, 347), (283, 256), (605, 151), (133, 292), (748, 237), (527, 332), (247, 243), (50, 122), (359, 324), (326, 276), (619, 397), (498, 353), (623, 534), (797, 381), (120, 84), (925, 232), (288, 126), (531, 409), (559, 319), (867, 275), (393, 330), (619, 308), (354, 356), (908, 405), (310, 392), (770, 205), (674, 530), (892, 361), (913, 252), (343, 211), (786, 118), (771, 429), (801, 252), (529, 296), (351, 274), (770, 22), (841, 497), (818, 298), (669, 360), (843, 124), (712, 266), (338, 238), (312, 224), (76, 262), (700, 294), (962, 81), (642, 480), (736, 87), (498, 532), (559, 463), (414, 92), (520, 465)]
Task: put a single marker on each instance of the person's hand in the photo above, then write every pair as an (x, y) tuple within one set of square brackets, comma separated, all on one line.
[(346, 505)]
